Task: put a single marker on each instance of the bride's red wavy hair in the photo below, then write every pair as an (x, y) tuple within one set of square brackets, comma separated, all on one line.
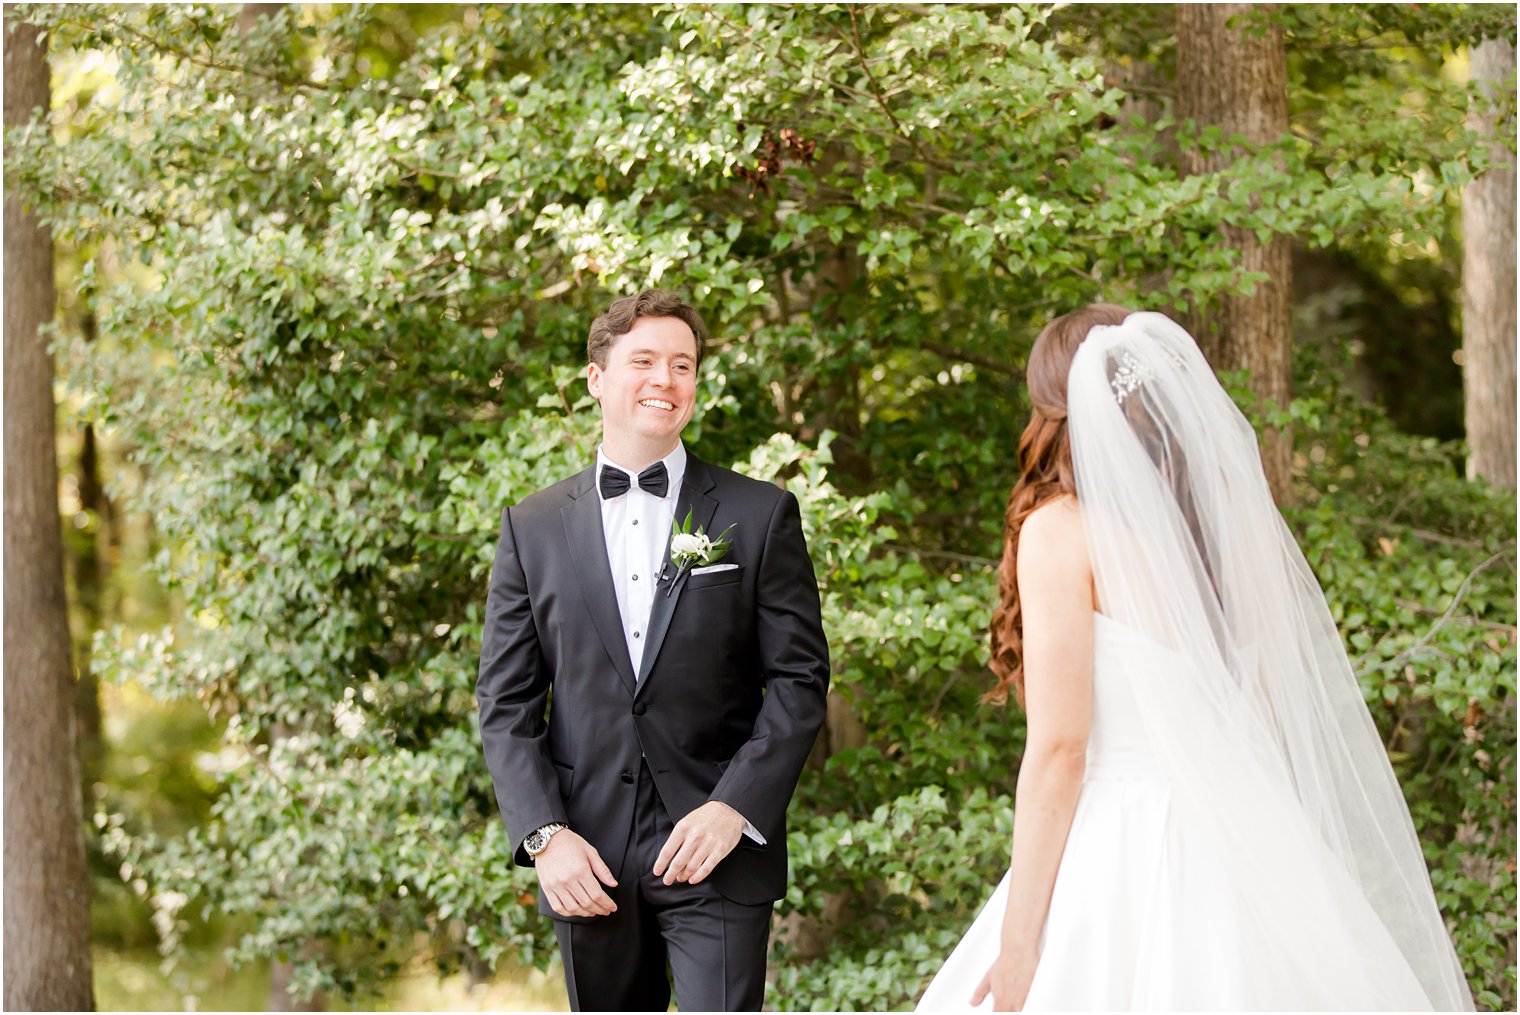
[(1044, 474)]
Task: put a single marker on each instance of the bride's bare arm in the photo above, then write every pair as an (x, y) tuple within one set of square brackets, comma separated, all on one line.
[(1055, 590)]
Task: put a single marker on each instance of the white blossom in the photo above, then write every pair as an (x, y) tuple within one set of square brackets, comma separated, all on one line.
[(687, 544)]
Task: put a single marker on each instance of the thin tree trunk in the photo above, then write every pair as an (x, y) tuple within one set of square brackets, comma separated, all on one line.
[(89, 601), (1235, 77), (47, 889), (1488, 288)]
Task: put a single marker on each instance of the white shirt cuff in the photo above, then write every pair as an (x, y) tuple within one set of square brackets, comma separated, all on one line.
[(753, 832)]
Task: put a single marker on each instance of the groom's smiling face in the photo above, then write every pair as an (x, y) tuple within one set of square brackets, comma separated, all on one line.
[(648, 385)]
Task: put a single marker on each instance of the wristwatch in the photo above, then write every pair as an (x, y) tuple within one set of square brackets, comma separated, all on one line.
[(538, 839)]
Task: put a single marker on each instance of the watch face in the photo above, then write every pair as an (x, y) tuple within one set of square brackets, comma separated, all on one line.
[(534, 842)]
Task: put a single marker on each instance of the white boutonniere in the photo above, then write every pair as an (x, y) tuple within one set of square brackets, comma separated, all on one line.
[(690, 549)]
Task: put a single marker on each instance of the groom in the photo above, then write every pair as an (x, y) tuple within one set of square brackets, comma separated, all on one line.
[(645, 718)]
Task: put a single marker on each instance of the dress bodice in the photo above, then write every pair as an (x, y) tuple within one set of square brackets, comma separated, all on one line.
[(1118, 743)]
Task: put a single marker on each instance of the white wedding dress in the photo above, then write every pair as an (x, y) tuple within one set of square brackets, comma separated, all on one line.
[(1240, 841), (1150, 913)]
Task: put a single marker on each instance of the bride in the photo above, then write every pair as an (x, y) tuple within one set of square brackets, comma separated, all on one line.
[(1206, 817)]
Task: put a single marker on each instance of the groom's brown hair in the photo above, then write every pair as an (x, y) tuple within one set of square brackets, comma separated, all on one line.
[(620, 317)]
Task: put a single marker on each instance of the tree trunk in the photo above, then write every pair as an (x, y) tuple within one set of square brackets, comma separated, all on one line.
[(47, 889), (1235, 77), (89, 601), (1488, 288)]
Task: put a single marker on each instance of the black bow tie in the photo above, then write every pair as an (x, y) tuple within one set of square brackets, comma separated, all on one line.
[(613, 482)]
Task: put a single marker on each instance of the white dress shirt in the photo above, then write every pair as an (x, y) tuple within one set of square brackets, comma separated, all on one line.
[(636, 528)]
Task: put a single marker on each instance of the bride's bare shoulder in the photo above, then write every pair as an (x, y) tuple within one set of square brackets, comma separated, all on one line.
[(1058, 517), (1052, 535)]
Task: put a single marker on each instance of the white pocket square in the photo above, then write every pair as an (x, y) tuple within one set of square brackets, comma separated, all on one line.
[(709, 569)]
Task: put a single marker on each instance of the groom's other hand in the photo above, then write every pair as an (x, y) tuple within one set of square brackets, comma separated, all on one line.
[(699, 842), (569, 870)]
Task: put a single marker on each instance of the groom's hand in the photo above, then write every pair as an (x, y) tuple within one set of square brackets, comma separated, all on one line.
[(699, 842), (569, 870)]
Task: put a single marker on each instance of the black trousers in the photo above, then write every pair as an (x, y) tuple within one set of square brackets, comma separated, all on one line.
[(714, 947)]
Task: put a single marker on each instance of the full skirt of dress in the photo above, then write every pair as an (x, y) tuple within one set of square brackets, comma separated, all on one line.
[(1166, 901)]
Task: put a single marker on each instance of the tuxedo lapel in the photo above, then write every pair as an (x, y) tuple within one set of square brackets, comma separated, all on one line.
[(694, 498), (588, 553)]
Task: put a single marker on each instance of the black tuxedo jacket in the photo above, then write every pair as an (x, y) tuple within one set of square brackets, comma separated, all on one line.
[(730, 695)]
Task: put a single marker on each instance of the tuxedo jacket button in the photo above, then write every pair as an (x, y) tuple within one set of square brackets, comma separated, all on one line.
[(626, 776), (639, 709)]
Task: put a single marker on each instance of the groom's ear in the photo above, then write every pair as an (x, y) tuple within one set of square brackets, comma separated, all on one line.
[(594, 380)]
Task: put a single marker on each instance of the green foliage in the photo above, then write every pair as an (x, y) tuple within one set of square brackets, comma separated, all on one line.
[(899, 860), (343, 314)]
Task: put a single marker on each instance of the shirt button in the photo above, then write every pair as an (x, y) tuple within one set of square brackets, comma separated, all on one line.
[(635, 521), (635, 634), (635, 577)]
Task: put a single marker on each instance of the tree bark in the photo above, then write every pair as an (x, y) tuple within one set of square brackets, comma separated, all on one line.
[(1488, 287), (89, 601), (1234, 76), (47, 890)]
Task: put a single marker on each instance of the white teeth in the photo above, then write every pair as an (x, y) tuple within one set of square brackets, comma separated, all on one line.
[(655, 403)]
